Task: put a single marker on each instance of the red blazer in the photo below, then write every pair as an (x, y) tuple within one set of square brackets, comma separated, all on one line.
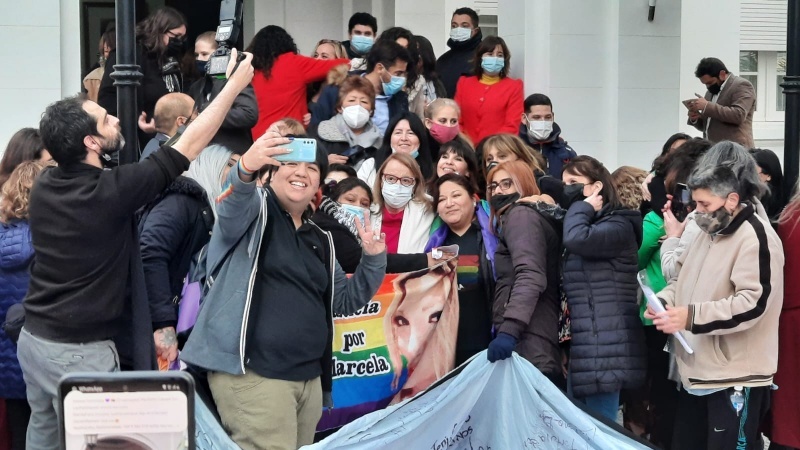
[(284, 93), (785, 415), (488, 110)]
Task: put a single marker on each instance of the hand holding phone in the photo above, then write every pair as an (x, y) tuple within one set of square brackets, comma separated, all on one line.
[(681, 202)]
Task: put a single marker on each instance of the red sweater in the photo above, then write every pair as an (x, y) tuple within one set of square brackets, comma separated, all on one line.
[(283, 94), (488, 110)]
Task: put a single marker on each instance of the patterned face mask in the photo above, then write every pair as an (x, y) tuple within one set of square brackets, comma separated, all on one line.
[(713, 222)]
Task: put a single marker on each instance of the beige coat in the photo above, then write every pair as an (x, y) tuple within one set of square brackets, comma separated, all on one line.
[(732, 114), (732, 284)]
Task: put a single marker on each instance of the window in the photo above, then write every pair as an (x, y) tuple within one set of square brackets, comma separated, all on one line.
[(765, 70), (748, 68), (780, 68), (488, 25)]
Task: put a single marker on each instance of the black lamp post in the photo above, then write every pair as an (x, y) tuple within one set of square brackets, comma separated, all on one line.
[(126, 77), (791, 88)]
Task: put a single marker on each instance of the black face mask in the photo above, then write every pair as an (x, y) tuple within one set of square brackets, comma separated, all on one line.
[(499, 202), (715, 88), (201, 66), (572, 193), (176, 46), (109, 155)]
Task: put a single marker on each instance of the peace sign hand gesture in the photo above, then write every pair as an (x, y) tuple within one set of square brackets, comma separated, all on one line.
[(372, 243)]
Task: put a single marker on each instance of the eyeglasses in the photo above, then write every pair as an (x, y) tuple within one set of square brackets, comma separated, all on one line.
[(405, 181), (504, 185), (175, 35)]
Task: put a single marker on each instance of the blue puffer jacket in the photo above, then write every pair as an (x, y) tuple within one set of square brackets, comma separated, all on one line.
[(16, 252), (607, 351)]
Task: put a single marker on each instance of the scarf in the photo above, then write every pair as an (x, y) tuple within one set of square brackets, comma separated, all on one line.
[(169, 73), (370, 137), (335, 210)]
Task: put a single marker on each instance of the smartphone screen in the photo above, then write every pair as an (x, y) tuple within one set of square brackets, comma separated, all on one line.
[(303, 150), (681, 201), (128, 410)]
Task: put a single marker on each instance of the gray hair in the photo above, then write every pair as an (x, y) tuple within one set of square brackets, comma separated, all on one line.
[(720, 180), (207, 169), (734, 157)]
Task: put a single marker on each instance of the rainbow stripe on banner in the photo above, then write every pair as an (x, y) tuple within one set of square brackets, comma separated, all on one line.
[(396, 345)]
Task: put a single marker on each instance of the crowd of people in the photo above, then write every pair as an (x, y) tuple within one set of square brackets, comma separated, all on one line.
[(413, 153)]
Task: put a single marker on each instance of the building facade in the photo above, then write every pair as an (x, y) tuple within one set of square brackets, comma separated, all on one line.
[(615, 78)]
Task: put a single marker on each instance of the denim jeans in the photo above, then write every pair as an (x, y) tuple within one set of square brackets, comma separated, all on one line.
[(605, 404), (43, 364)]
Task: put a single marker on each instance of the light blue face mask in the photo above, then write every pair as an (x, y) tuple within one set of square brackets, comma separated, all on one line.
[(394, 85), (492, 65), (414, 154), (361, 44), (355, 211)]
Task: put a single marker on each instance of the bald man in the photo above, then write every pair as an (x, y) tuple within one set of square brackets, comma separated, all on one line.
[(172, 111)]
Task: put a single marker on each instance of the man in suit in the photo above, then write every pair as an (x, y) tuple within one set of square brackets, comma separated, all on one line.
[(726, 111)]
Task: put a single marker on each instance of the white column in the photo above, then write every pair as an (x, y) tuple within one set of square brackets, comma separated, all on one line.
[(70, 39)]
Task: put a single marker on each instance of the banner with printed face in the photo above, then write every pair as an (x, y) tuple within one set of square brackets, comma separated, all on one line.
[(396, 346), (485, 406)]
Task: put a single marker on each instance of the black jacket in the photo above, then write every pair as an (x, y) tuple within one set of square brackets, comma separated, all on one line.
[(607, 351), (87, 282), (527, 301), (151, 89), (234, 133), (348, 250), (172, 229), (456, 62), (555, 149), (325, 108)]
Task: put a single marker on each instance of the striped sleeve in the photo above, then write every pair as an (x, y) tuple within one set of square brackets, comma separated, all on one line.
[(752, 278)]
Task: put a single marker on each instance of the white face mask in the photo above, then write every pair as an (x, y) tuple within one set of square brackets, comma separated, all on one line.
[(355, 116), (459, 34), (396, 195), (539, 130)]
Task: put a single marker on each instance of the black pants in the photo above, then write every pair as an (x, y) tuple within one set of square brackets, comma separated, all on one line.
[(18, 413), (710, 421)]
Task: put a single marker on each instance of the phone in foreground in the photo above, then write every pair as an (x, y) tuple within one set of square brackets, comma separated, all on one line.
[(681, 202), (127, 410), (303, 150)]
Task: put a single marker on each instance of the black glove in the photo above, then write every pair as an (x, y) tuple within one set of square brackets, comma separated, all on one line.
[(501, 347)]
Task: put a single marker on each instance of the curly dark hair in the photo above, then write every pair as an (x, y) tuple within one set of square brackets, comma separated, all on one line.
[(269, 43), (63, 126), (149, 31)]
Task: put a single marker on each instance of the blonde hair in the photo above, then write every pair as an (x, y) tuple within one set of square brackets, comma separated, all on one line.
[(509, 143), (441, 102), (440, 346), (209, 37), (628, 180), (412, 165), (288, 126), (16, 192), (338, 49)]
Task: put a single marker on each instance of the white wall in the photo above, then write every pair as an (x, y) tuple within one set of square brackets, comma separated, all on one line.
[(44, 68), (307, 21), (616, 79)]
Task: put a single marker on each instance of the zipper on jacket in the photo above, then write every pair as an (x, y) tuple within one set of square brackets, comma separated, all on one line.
[(249, 296), (332, 253)]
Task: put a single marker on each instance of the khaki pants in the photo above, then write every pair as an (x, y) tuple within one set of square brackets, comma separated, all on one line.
[(265, 414)]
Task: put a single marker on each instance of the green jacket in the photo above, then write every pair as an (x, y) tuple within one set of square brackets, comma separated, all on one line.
[(650, 256)]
